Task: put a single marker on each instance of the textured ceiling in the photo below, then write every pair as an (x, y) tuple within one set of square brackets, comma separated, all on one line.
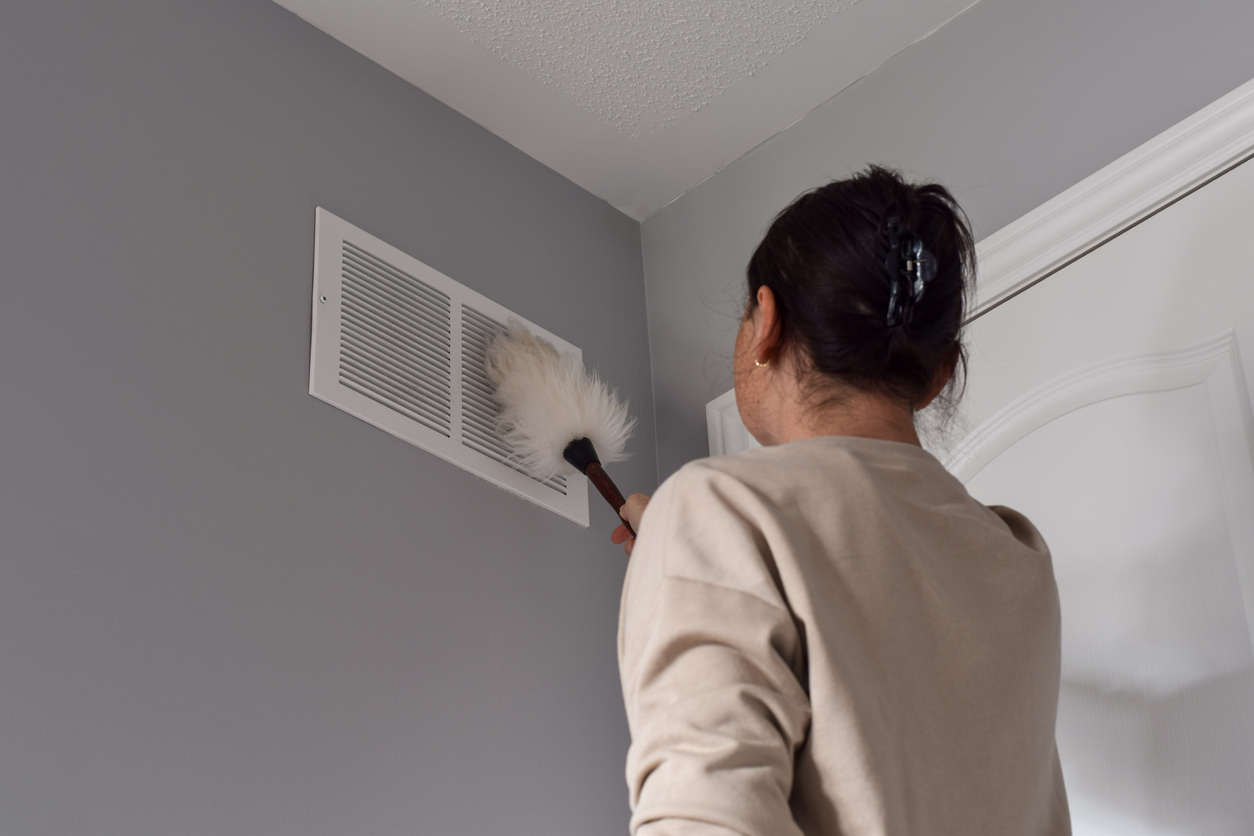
[(636, 101), (642, 65)]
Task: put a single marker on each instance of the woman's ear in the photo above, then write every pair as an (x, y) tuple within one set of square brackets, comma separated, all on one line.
[(770, 329)]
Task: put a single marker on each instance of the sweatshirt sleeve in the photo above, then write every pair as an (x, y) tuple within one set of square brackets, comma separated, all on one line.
[(712, 667)]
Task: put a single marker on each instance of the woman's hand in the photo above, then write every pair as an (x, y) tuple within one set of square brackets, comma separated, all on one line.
[(632, 512)]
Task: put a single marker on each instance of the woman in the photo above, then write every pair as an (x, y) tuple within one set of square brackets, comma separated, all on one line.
[(829, 635)]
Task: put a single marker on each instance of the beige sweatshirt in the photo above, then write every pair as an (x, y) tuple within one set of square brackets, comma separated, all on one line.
[(832, 637)]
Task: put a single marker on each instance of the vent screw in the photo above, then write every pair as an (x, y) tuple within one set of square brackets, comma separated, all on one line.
[(323, 298)]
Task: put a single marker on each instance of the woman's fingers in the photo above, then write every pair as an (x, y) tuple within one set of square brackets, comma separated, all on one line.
[(633, 510), (620, 535)]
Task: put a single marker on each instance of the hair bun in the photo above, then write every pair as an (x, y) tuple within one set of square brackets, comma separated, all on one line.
[(870, 276)]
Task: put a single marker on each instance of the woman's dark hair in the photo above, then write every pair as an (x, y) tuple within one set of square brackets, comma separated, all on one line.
[(824, 258)]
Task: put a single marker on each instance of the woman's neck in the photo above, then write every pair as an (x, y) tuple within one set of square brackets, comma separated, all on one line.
[(864, 416), (797, 412)]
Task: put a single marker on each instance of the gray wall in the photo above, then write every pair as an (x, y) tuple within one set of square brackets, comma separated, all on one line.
[(227, 607), (1009, 104)]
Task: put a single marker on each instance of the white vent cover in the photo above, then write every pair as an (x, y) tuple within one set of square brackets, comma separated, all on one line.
[(401, 346)]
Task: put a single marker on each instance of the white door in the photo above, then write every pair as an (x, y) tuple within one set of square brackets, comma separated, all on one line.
[(1111, 406)]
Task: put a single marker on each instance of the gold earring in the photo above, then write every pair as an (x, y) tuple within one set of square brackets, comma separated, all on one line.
[(760, 364)]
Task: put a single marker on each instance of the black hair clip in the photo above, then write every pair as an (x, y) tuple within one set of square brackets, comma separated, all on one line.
[(910, 267)]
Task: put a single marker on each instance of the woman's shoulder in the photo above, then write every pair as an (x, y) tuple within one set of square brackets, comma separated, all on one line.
[(737, 481), (788, 483), (715, 479), (828, 460), (836, 472)]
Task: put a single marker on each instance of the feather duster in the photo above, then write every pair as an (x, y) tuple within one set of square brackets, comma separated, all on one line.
[(556, 417)]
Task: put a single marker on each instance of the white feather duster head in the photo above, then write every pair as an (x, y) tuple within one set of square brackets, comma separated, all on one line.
[(549, 399)]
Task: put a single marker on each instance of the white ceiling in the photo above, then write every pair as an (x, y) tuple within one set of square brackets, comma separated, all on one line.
[(637, 101)]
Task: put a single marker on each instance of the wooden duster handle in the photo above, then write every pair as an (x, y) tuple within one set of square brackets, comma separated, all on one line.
[(583, 456), (603, 483)]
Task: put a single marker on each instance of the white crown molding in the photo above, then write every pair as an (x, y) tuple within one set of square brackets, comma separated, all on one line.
[(1115, 198)]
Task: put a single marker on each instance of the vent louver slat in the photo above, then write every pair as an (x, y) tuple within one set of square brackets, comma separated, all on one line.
[(479, 408), (417, 323), (396, 339), (402, 346)]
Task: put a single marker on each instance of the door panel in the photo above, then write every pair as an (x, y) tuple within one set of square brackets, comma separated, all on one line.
[(1110, 405)]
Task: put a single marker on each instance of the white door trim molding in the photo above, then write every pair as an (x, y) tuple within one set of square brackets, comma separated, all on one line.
[(1117, 197), (727, 433)]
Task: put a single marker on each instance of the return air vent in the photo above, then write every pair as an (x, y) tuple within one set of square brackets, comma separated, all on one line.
[(402, 347), (394, 339), (479, 408)]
